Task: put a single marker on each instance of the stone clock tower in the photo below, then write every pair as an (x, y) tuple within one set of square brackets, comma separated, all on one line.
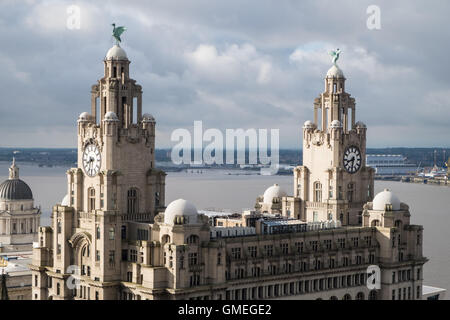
[(115, 183), (334, 182), (116, 143)]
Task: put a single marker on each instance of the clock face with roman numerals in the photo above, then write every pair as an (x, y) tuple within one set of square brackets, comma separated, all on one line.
[(91, 160), (352, 159)]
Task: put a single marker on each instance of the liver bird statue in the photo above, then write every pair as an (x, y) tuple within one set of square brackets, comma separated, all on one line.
[(335, 55), (117, 31)]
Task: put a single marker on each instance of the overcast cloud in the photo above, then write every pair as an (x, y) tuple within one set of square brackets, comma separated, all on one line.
[(231, 64)]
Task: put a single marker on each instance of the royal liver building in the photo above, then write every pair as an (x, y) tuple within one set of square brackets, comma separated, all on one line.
[(112, 237)]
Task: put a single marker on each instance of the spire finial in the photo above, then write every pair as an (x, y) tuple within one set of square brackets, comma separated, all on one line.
[(117, 32), (14, 170)]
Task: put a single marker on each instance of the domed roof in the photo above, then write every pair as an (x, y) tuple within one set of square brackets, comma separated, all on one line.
[(386, 197), (272, 192), (65, 201), (336, 124), (84, 116), (308, 124), (116, 53), (147, 117), (15, 189), (183, 208), (360, 124), (111, 116), (335, 72)]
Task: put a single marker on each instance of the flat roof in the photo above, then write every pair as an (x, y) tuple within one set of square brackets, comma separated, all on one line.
[(18, 262), (431, 290)]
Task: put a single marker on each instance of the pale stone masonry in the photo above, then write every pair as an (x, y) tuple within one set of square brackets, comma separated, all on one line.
[(317, 244)]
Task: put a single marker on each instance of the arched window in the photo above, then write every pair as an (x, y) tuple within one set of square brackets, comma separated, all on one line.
[(347, 297), (157, 201), (165, 239), (350, 188), (334, 298), (375, 223), (317, 191), (97, 232), (373, 295), (132, 201), (91, 196), (192, 239), (360, 296), (58, 289)]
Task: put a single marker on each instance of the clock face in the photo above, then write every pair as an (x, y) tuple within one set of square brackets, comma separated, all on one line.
[(352, 159), (91, 160)]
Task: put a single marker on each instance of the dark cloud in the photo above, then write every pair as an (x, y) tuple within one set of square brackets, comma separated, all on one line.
[(231, 64)]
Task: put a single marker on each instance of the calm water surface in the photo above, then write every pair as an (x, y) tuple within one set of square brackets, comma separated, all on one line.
[(429, 205)]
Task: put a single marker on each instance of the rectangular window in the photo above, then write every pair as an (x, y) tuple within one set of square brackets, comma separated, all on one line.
[(299, 246), (268, 250), (133, 255), (112, 233), (112, 258), (284, 248), (192, 259), (314, 245), (129, 276), (236, 253), (252, 251)]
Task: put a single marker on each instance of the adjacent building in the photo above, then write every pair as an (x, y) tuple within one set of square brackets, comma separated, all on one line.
[(19, 225)]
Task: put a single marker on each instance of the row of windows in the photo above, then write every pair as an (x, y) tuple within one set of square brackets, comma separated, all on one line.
[(132, 200), (317, 191), (268, 250), (301, 287), (405, 275), (405, 293), (302, 266)]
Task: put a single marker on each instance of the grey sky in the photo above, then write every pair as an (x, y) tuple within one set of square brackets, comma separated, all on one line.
[(232, 64)]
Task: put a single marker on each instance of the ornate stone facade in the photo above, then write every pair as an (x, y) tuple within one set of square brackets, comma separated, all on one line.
[(316, 244), (19, 218)]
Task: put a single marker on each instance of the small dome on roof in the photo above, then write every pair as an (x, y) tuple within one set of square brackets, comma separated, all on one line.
[(111, 116), (336, 124), (147, 117), (386, 197), (84, 117), (308, 124), (15, 189), (65, 201), (272, 192), (335, 72), (182, 208), (116, 53)]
